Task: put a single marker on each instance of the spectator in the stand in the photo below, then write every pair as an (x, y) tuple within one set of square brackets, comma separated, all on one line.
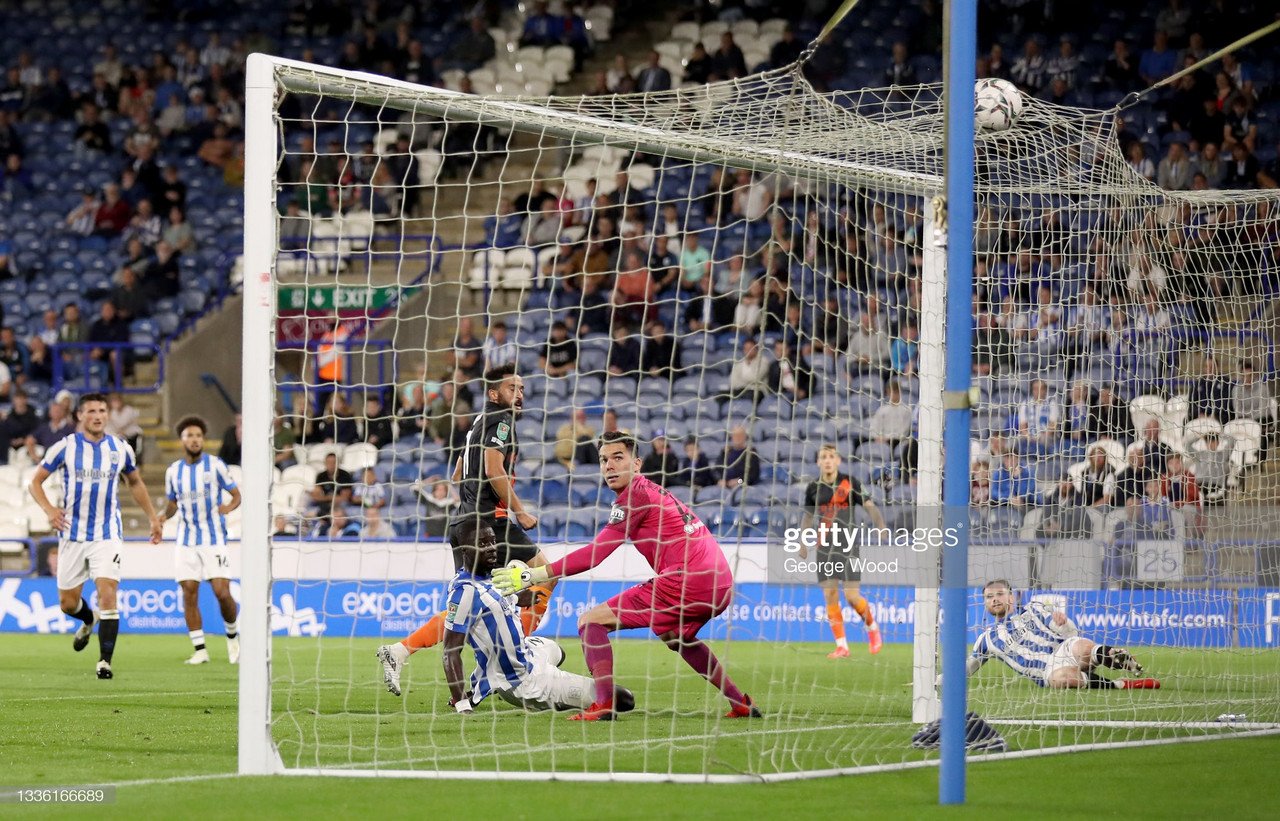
[(1095, 485), (662, 465), (1038, 420), (653, 77), (1110, 416), (1241, 125), (108, 331), (1029, 70), (218, 149), (81, 219), (1139, 162), (541, 28), (498, 348), (892, 420), (232, 439), (868, 348), (1210, 165), (787, 50), (750, 374), (624, 351), (1131, 481), (113, 213), (1179, 486), (128, 297), (1211, 394), (378, 426), (560, 356), (1157, 62), (333, 486), (575, 442), (664, 262), (163, 277), (468, 349), (904, 351), (177, 232), (92, 135), (545, 225), (1212, 467), (411, 415), (700, 66), (1242, 168), (1252, 399), (1176, 170), (1013, 484), (634, 289), (473, 47), (695, 467), (1121, 68), (728, 61), (1206, 126), (57, 425), (900, 72), (17, 426), (789, 374), (442, 414), (660, 353), (369, 495), (40, 368), (614, 76), (122, 421), (14, 355), (738, 465), (440, 500), (695, 264), (1065, 65), (1155, 453)]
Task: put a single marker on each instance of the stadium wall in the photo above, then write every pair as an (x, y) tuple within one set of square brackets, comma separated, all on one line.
[(205, 351)]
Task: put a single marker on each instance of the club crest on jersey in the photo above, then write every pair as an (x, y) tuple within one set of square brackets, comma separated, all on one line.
[(616, 514), (113, 458), (503, 431)]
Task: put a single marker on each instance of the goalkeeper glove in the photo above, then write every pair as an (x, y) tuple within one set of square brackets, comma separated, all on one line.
[(511, 580)]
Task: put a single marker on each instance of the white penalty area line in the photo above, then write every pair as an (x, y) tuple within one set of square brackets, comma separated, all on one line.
[(142, 782), (112, 696)]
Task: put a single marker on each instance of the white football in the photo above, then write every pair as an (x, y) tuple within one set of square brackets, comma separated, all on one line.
[(997, 105)]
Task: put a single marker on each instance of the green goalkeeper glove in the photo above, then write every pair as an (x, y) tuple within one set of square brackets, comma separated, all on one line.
[(516, 577)]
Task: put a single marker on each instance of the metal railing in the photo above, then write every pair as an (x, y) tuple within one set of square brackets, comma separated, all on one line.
[(77, 368)]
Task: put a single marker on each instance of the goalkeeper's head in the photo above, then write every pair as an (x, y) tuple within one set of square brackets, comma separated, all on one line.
[(504, 387), (619, 459), (475, 547)]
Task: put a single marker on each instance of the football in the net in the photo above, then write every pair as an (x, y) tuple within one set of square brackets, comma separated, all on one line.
[(997, 105)]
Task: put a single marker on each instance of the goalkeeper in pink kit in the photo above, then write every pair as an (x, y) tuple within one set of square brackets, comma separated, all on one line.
[(692, 586)]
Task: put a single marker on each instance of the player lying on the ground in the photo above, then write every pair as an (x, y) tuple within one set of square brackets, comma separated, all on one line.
[(1043, 646), (485, 477), (522, 671), (693, 583)]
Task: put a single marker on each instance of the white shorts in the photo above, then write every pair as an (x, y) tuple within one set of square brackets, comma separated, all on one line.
[(201, 563), (547, 687), (78, 562), (1063, 656)]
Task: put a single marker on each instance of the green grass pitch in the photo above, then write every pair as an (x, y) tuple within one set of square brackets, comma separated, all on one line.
[(161, 720)]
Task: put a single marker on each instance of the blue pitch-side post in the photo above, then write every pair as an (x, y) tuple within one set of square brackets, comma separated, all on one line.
[(961, 48)]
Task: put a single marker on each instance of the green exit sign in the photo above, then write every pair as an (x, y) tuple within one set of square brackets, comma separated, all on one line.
[(339, 297)]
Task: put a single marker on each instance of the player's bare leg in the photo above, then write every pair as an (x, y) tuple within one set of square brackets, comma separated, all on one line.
[(76, 607), (230, 620), (835, 618), (195, 622), (108, 624), (853, 595), (594, 627)]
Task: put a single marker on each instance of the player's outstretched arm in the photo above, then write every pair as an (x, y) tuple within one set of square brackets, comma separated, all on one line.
[(510, 580), (138, 489), (458, 698)]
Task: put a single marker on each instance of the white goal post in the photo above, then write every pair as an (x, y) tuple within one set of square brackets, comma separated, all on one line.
[(861, 172)]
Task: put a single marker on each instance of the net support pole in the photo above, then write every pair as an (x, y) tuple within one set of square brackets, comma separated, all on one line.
[(961, 54), (933, 299), (257, 755)]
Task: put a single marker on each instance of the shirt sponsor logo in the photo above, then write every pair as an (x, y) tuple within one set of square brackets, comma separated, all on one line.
[(616, 514)]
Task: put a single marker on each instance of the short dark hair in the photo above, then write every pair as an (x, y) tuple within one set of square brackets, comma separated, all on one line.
[(189, 420), (494, 376), (499, 324), (93, 396), (619, 437)]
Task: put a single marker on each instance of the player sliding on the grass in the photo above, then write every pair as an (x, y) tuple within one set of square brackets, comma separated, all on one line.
[(522, 671), (1043, 646), (485, 477), (693, 585)]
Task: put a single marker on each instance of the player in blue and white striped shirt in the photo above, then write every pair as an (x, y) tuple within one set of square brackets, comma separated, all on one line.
[(523, 671), (195, 486), (1042, 645), (91, 464)]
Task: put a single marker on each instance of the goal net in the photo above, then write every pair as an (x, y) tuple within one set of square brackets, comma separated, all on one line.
[(740, 274)]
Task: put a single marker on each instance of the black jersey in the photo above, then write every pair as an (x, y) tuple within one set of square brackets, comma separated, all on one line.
[(495, 427), (834, 502)]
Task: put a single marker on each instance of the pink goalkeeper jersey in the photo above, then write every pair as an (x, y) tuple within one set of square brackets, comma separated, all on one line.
[(674, 542)]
